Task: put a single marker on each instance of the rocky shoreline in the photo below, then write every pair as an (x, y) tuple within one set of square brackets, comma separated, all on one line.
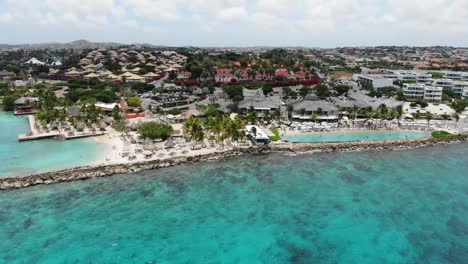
[(83, 173)]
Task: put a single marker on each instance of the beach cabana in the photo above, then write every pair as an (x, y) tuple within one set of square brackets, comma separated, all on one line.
[(79, 127), (102, 126), (108, 120), (148, 154), (54, 125), (169, 144)]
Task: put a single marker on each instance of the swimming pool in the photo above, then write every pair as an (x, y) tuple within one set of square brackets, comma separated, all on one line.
[(354, 136)]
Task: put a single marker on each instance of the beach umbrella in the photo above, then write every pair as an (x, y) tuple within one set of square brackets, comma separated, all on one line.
[(108, 120), (134, 126), (150, 147), (102, 125), (79, 126), (169, 144)]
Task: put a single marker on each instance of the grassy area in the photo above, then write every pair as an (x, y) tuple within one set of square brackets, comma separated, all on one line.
[(441, 134), (277, 135), (341, 75)]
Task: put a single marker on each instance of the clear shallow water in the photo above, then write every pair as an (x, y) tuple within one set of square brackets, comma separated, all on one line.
[(354, 136), (394, 207), (23, 158)]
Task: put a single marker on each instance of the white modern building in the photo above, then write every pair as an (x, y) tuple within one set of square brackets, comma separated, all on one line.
[(464, 76), (453, 75), (377, 81), (445, 83), (423, 92), (460, 87), (408, 75)]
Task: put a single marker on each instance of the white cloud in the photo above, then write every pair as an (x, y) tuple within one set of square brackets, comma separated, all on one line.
[(299, 19), (154, 9), (280, 7), (232, 14)]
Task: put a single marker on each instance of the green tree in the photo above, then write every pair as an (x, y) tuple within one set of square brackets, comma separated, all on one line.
[(121, 126), (322, 91), (9, 102), (153, 130), (134, 101), (342, 89), (428, 118), (305, 90), (116, 112), (399, 113)]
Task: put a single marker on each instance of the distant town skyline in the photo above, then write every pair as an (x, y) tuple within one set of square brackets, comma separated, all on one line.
[(238, 23)]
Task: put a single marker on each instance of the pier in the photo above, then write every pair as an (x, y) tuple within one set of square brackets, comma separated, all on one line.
[(36, 135)]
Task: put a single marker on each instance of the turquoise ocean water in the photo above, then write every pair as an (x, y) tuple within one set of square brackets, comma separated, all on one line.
[(23, 158), (354, 136), (371, 207)]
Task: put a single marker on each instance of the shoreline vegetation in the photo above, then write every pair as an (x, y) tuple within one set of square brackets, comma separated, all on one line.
[(90, 172)]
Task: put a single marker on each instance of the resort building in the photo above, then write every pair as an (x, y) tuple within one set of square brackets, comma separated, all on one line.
[(408, 75), (304, 109), (257, 100), (184, 75), (224, 75), (464, 76), (460, 87), (258, 135), (423, 92), (5, 74), (24, 105), (445, 83), (453, 75), (377, 81)]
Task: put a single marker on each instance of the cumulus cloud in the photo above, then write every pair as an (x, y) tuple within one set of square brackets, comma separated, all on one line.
[(337, 19)]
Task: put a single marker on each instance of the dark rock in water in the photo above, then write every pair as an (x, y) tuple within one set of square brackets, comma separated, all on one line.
[(146, 193), (265, 178), (361, 167), (338, 207), (457, 254), (457, 226), (350, 178), (47, 243), (27, 223), (237, 180), (298, 254)]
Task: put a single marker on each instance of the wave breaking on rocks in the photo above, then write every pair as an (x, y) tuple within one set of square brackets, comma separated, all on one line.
[(84, 173)]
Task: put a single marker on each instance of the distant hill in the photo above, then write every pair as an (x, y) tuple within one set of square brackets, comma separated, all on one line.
[(77, 44)]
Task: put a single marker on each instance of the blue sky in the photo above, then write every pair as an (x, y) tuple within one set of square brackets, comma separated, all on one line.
[(312, 23)]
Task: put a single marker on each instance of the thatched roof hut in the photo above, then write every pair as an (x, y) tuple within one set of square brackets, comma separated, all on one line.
[(169, 144), (108, 120), (102, 126), (79, 127)]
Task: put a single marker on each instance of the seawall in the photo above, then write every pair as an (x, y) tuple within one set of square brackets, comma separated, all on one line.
[(83, 173)]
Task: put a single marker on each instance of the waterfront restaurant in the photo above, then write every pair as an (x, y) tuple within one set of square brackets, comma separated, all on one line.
[(24, 106)]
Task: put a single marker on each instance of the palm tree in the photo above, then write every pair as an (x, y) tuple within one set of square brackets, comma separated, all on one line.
[(193, 128), (302, 112), (355, 111), (446, 117), (428, 117), (314, 117), (290, 109), (399, 113)]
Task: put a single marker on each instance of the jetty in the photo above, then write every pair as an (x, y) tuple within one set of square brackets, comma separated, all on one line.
[(35, 134)]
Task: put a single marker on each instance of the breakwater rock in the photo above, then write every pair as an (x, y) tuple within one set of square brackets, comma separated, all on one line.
[(83, 173)]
